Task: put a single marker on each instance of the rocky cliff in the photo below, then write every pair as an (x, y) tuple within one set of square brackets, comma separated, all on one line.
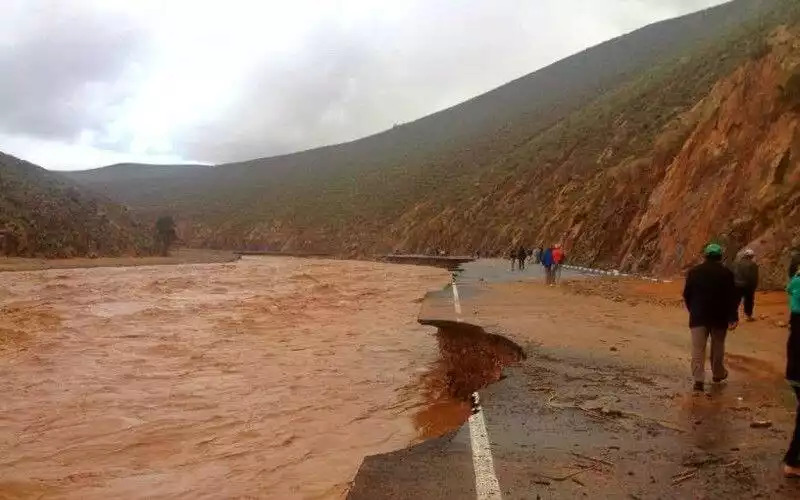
[(736, 177)]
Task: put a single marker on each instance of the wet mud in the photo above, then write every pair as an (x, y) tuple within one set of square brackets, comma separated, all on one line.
[(470, 358), (265, 378)]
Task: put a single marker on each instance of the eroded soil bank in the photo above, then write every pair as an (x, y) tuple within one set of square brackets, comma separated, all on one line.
[(266, 377)]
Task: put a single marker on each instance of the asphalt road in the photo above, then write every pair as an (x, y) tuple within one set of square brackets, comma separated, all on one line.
[(592, 419)]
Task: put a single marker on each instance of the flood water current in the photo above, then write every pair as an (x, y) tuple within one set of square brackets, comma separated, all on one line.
[(266, 377)]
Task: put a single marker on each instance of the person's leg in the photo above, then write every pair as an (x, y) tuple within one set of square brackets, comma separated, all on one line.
[(749, 302), (718, 354), (699, 339), (792, 457), (739, 297)]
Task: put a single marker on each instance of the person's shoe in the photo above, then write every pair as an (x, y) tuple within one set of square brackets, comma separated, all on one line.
[(698, 387), (719, 380), (791, 472), (750, 319)]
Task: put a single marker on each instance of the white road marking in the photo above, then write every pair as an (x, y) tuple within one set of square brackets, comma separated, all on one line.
[(487, 487), (456, 302)]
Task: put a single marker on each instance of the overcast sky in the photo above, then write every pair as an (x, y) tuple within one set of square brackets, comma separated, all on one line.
[(87, 83)]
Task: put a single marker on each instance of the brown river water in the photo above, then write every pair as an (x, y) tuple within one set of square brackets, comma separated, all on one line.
[(266, 377)]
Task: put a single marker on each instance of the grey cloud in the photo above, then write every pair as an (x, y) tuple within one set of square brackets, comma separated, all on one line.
[(345, 85), (62, 69), (71, 70)]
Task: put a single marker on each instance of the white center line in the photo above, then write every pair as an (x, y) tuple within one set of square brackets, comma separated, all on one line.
[(486, 485), (456, 301)]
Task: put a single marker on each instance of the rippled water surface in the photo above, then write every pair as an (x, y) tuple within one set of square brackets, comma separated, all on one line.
[(266, 377)]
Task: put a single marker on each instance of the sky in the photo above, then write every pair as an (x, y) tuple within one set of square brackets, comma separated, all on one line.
[(87, 83)]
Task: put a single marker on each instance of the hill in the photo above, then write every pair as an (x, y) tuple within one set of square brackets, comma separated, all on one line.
[(41, 214), (574, 152)]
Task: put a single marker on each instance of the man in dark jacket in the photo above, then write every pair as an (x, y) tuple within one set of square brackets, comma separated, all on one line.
[(522, 255), (710, 297), (745, 274)]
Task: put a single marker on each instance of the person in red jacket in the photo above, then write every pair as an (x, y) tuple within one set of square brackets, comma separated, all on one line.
[(558, 260)]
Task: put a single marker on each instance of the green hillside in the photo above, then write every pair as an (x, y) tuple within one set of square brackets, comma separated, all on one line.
[(511, 165), (42, 214)]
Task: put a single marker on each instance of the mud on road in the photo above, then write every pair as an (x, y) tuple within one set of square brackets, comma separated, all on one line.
[(266, 377), (601, 406), (605, 394)]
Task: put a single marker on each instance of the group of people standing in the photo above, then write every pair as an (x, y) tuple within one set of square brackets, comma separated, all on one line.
[(551, 259), (713, 294)]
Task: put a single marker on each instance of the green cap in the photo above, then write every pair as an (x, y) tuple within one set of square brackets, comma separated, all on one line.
[(712, 249)]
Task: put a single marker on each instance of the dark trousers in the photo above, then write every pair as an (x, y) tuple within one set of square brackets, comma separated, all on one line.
[(549, 275), (748, 296), (522, 264), (792, 457)]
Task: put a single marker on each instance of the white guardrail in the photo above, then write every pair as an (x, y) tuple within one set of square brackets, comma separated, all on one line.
[(613, 272)]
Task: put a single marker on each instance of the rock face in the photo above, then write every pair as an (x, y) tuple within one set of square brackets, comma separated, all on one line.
[(736, 176)]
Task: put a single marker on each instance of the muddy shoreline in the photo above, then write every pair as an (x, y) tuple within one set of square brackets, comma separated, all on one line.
[(177, 257)]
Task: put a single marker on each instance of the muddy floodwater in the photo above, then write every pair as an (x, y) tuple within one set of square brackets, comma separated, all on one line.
[(266, 377)]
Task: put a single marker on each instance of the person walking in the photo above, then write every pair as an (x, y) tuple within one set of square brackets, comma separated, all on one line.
[(547, 264), (792, 458), (745, 274), (537, 255), (710, 297), (522, 255), (558, 260), (513, 256), (794, 262)]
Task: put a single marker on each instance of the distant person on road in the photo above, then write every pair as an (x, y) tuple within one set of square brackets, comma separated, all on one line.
[(710, 297), (547, 264), (745, 273), (513, 256), (792, 458), (522, 255), (537, 255), (558, 260)]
